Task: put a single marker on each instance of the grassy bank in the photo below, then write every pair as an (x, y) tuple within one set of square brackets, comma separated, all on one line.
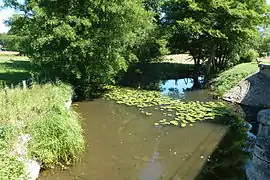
[(56, 134), (228, 79)]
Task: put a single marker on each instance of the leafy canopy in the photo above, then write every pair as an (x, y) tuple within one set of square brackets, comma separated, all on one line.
[(85, 42), (214, 30)]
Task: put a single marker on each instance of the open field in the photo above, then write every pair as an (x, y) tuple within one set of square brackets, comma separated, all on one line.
[(179, 58)]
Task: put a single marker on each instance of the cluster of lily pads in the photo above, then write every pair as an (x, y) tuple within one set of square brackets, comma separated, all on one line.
[(175, 112)]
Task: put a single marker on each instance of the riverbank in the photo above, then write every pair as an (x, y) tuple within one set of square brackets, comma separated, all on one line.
[(36, 129), (55, 134), (230, 78), (51, 139)]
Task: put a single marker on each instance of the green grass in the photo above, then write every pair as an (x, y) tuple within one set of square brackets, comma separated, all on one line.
[(56, 134), (228, 79), (10, 167)]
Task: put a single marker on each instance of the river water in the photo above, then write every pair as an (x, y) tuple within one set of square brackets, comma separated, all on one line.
[(123, 144)]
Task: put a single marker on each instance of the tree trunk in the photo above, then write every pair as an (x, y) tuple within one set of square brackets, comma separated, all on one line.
[(211, 59)]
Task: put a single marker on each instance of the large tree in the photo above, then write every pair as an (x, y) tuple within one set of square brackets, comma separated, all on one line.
[(85, 42), (214, 30)]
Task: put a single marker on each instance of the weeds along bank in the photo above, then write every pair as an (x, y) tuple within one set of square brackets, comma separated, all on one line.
[(55, 134), (230, 78)]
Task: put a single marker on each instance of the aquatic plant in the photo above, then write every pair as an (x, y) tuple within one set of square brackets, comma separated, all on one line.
[(178, 113)]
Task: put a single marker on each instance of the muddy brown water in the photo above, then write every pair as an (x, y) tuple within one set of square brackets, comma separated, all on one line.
[(123, 144)]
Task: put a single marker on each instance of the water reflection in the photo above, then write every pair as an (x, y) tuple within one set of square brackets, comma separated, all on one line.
[(180, 88), (153, 169)]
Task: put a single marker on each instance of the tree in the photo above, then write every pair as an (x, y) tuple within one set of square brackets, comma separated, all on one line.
[(11, 42), (213, 31), (85, 42)]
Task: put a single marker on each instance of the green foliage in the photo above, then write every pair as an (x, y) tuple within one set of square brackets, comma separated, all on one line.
[(87, 43), (213, 30), (11, 42), (11, 168), (152, 48), (249, 56), (228, 79), (56, 138), (56, 134), (264, 47)]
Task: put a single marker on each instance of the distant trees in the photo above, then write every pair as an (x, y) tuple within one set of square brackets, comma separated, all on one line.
[(217, 32), (10, 42), (264, 45)]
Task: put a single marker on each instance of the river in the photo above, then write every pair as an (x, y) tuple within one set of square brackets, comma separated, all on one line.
[(123, 144)]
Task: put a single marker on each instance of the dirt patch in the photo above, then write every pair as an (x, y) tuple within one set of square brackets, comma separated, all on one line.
[(8, 53), (179, 58)]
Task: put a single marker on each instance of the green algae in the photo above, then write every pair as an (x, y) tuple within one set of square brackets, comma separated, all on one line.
[(180, 113)]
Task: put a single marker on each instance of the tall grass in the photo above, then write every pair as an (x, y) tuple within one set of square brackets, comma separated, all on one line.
[(56, 134)]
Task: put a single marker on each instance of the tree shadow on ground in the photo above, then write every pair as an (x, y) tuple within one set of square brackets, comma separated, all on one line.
[(14, 78), (14, 72), (17, 65)]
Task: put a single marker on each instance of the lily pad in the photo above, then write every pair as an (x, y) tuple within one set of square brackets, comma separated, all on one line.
[(183, 124), (174, 123)]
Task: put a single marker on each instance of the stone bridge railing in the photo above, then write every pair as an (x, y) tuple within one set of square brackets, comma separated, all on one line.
[(260, 166)]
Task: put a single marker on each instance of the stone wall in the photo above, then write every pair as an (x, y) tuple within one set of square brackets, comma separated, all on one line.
[(260, 166), (265, 69)]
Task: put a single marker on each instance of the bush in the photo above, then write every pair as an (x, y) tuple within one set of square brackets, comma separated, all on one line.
[(83, 44), (249, 56)]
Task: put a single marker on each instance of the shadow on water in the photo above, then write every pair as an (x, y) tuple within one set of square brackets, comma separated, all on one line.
[(173, 79), (233, 155), (229, 159), (145, 73)]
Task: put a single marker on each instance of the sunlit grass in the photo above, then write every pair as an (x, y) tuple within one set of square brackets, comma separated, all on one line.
[(228, 79), (56, 134)]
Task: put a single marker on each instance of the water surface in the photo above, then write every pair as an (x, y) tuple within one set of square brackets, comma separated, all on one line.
[(185, 89), (123, 144)]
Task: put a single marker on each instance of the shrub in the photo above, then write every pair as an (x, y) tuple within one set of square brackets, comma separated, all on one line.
[(249, 56)]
